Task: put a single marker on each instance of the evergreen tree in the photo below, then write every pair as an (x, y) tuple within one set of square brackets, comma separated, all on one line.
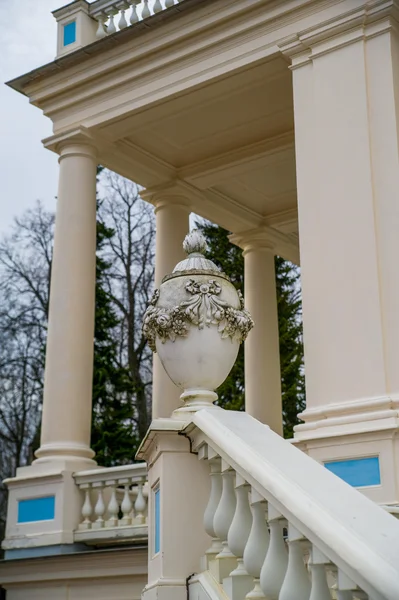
[(232, 392), (113, 436)]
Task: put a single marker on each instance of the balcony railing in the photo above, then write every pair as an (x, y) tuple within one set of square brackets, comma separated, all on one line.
[(114, 505), (115, 15)]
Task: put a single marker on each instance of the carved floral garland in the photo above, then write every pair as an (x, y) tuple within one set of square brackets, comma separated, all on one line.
[(203, 309)]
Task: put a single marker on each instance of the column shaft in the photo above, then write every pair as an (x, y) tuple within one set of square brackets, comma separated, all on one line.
[(172, 225), (66, 417), (262, 353)]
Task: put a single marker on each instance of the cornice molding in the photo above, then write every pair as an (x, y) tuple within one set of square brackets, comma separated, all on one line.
[(71, 8), (184, 52)]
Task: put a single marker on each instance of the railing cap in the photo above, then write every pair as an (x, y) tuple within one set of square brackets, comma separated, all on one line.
[(137, 472)]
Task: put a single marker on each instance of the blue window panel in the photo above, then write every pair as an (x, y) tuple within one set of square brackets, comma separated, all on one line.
[(69, 33), (36, 509), (359, 472), (157, 541)]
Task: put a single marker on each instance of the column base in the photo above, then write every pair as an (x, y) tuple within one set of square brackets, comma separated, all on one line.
[(69, 452)]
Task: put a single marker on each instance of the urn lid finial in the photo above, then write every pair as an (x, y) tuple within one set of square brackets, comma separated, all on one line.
[(195, 247), (195, 243)]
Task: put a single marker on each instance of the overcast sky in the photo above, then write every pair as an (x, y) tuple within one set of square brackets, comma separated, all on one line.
[(27, 171)]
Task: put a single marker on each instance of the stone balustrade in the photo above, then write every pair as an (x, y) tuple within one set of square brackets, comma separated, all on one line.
[(115, 15), (284, 527), (114, 504), (257, 552)]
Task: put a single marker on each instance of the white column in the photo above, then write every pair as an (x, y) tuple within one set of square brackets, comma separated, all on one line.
[(172, 225), (262, 351), (66, 417), (346, 129)]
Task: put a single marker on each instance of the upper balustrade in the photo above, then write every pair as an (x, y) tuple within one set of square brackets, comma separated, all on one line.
[(81, 23)]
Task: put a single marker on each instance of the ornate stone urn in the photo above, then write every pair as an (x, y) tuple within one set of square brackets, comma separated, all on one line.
[(196, 322)]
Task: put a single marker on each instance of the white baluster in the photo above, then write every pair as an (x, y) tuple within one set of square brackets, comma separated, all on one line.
[(127, 505), (225, 561), (102, 28), (317, 564), (275, 565), (296, 581), (169, 3), (157, 6), (225, 511), (241, 524), (133, 15), (87, 509), (239, 583), (140, 505), (257, 545), (99, 509), (113, 506), (111, 25), (146, 10), (122, 24), (213, 503)]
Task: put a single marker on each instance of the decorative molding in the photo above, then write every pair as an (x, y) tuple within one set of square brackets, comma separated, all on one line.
[(348, 418), (351, 407)]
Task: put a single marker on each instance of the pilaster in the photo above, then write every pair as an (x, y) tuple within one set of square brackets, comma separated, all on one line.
[(346, 134)]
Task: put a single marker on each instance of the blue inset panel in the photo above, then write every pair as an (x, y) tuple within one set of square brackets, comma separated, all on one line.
[(36, 509), (157, 528), (69, 33), (359, 472)]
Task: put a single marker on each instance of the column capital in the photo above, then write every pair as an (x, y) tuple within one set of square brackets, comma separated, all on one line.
[(76, 142), (254, 239), (167, 195), (270, 239)]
